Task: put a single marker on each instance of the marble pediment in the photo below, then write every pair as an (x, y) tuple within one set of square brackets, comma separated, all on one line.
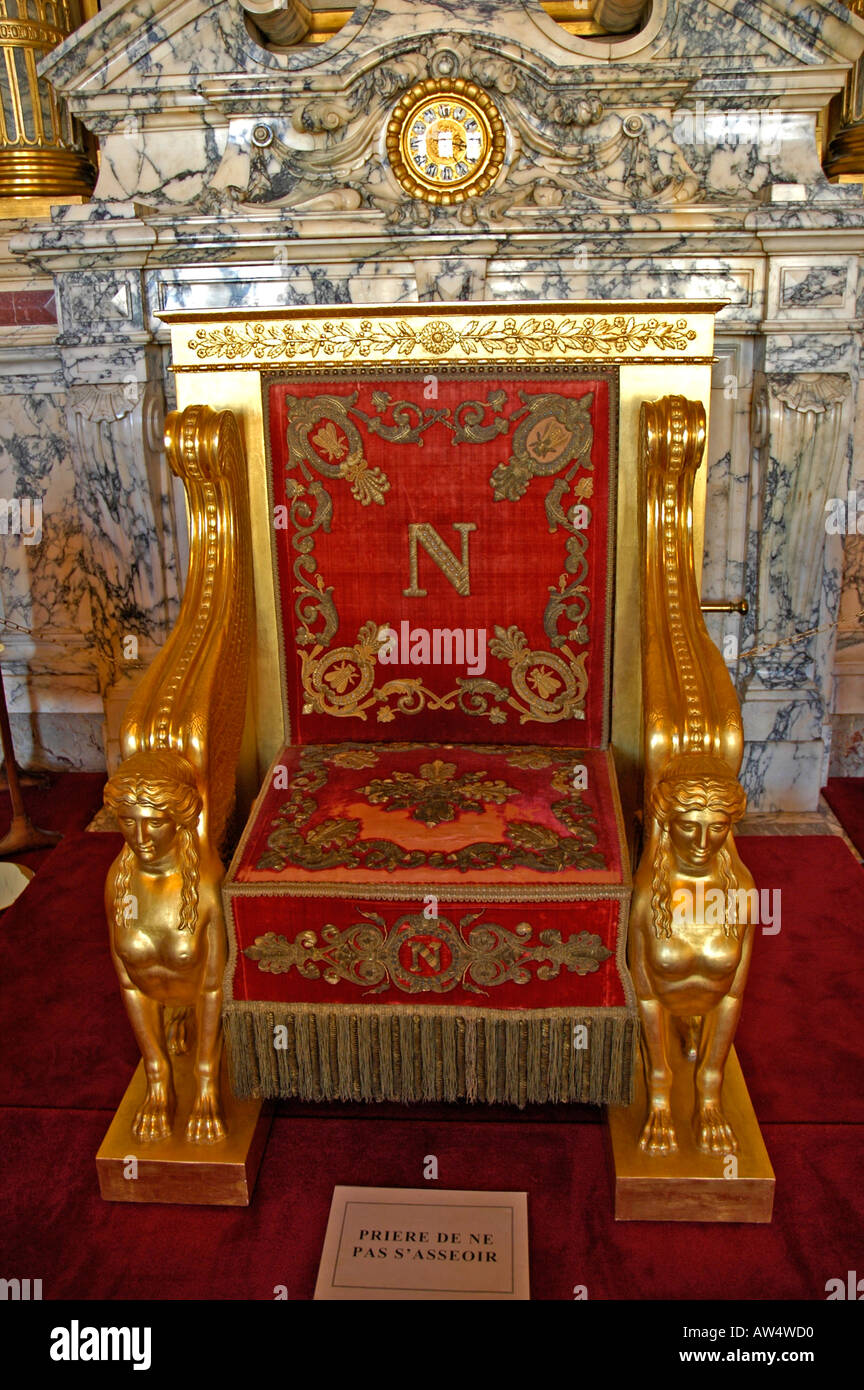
[(191, 110)]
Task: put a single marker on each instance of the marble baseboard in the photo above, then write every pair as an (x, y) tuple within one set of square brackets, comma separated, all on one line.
[(59, 742), (822, 821)]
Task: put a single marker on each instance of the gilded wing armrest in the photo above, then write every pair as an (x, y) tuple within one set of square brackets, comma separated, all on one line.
[(193, 697), (689, 699), (174, 789), (691, 923)]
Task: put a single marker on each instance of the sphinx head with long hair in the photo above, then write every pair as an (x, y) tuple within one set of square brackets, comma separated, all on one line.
[(694, 782), (165, 782)]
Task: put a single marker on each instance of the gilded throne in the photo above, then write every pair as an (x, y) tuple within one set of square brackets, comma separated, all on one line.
[(454, 552)]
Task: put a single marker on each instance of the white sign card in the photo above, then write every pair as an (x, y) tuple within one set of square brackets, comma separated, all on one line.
[(419, 1243)]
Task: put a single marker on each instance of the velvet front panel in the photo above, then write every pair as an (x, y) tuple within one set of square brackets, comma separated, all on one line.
[(443, 553), (495, 957)]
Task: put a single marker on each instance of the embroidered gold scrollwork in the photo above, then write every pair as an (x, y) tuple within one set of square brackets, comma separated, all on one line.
[(341, 682), (421, 956), (437, 794), (551, 685), (322, 436), (555, 431), (570, 599), (338, 681), (314, 605), (294, 840), (467, 419)]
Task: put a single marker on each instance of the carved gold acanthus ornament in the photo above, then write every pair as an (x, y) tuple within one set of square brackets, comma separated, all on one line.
[(384, 339)]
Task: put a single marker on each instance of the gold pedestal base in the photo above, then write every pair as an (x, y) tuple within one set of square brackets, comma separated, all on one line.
[(173, 1170), (690, 1185)]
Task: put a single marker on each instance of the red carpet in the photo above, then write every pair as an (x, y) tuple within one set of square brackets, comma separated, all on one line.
[(69, 1053), (845, 796), (68, 804)]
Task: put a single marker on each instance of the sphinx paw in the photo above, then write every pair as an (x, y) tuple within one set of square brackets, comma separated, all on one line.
[(713, 1134), (658, 1136), (206, 1124), (155, 1119)]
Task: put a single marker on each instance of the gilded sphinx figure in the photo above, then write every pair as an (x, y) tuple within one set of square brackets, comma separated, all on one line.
[(690, 944), (691, 935), (167, 937), (173, 792)]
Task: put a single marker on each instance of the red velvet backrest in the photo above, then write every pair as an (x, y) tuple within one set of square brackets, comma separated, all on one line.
[(444, 553)]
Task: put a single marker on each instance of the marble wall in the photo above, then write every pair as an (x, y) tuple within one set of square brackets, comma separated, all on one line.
[(680, 162), (90, 594)]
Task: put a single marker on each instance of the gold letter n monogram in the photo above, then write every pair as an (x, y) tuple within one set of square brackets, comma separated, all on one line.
[(421, 533), (429, 951)]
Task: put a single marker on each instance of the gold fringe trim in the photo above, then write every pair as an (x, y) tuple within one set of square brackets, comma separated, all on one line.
[(381, 1055)]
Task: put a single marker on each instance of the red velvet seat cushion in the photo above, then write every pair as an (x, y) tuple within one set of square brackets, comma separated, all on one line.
[(381, 888)]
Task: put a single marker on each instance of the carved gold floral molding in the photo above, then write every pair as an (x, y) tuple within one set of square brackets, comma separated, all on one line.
[(383, 340), (612, 331)]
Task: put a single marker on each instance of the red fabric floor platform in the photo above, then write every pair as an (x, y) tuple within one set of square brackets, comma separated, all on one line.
[(68, 1054)]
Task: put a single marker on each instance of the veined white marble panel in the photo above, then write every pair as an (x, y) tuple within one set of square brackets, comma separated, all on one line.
[(812, 287), (781, 776), (270, 286), (73, 741), (781, 714), (41, 585), (808, 351), (728, 492), (803, 287), (586, 276)]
